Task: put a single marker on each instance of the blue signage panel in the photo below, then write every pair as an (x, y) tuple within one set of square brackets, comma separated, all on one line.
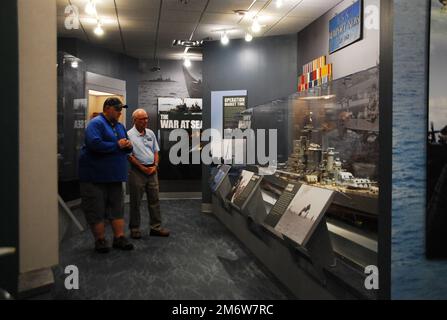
[(346, 27)]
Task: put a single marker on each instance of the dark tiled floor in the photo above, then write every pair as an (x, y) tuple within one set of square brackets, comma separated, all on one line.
[(200, 260)]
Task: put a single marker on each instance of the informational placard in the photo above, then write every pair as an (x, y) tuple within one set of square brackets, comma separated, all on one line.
[(243, 188), (233, 107), (222, 171), (304, 213), (281, 205), (346, 27)]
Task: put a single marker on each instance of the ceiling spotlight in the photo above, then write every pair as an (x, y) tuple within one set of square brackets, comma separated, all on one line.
[(224, 39), (90, 8), (240, 13), (99, 31), (74, 64), (187, 63), (255, 27), (248, 37), (279, 3)]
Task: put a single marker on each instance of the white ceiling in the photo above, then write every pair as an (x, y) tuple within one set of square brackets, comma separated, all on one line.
[(138, 21)]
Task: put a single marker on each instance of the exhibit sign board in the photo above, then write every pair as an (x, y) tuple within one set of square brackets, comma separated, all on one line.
[(346, 27), (233, 107), (221, 173), (177, 113), (304, 213), (281, 205), (244, 188), (185, 114)]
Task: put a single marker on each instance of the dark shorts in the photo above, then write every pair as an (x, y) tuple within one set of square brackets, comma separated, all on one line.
[(102, 201)]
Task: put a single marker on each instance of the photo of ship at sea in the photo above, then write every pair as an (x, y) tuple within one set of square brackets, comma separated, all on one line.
[(303, 213), (179, 105), (240, 185), (436, 221), (168, 104), (193, 105), (167, 82)]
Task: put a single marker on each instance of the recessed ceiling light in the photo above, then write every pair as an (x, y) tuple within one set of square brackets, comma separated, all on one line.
[(248, 37), (99, 93), (99, 31), (279, 3), (224, 39)]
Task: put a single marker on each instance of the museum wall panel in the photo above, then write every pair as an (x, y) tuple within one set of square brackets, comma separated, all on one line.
[(266, 68), (107, 63)]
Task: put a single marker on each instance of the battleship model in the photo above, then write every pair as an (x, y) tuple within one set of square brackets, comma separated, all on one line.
[(309, 164)]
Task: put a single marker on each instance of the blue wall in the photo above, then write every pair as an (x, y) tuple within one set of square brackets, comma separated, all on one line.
[(265, 67)]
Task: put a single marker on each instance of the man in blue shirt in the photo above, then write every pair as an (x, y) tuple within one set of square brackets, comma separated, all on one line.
[(102, 171), (143, 176)]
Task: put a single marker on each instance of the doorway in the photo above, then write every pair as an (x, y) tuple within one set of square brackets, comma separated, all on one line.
[(96, 101), (98, 89)]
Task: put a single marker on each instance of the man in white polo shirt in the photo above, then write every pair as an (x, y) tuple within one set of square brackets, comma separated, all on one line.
[(143, 176)]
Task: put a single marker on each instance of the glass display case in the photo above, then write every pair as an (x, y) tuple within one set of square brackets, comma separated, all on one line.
[(328, 137), (71, 122), (332, 139)]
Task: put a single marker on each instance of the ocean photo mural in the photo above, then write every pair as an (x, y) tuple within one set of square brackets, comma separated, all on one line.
[(436, 220)]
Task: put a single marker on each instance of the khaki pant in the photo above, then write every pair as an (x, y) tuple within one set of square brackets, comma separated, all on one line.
[(140, 183)]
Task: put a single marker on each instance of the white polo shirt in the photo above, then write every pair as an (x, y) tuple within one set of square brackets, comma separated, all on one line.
[(144, 145)]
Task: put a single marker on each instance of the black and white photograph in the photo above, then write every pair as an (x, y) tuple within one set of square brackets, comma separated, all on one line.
[(304, 213), (240, 185)]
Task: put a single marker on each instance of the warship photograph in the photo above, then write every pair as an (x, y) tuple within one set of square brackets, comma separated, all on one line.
[(436, 186)]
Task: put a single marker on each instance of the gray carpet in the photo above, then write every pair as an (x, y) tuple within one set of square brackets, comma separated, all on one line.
[(200, 260)]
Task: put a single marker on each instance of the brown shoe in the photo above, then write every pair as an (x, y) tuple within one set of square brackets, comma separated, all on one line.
[(162, 232)]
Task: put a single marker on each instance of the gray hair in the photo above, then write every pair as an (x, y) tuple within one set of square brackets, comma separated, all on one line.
[(136, 112)]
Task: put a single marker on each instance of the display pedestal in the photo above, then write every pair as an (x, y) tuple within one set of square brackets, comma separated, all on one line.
[(290, 268), (304, 272), (319, 250)]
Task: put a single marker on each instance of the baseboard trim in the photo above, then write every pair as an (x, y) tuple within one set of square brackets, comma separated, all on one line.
[(35, 282)]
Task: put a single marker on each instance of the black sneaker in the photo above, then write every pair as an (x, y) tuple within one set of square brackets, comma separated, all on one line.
[(101, 246), (122, 243)]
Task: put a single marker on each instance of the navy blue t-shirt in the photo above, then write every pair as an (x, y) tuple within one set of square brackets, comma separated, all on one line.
[(101, 158)]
